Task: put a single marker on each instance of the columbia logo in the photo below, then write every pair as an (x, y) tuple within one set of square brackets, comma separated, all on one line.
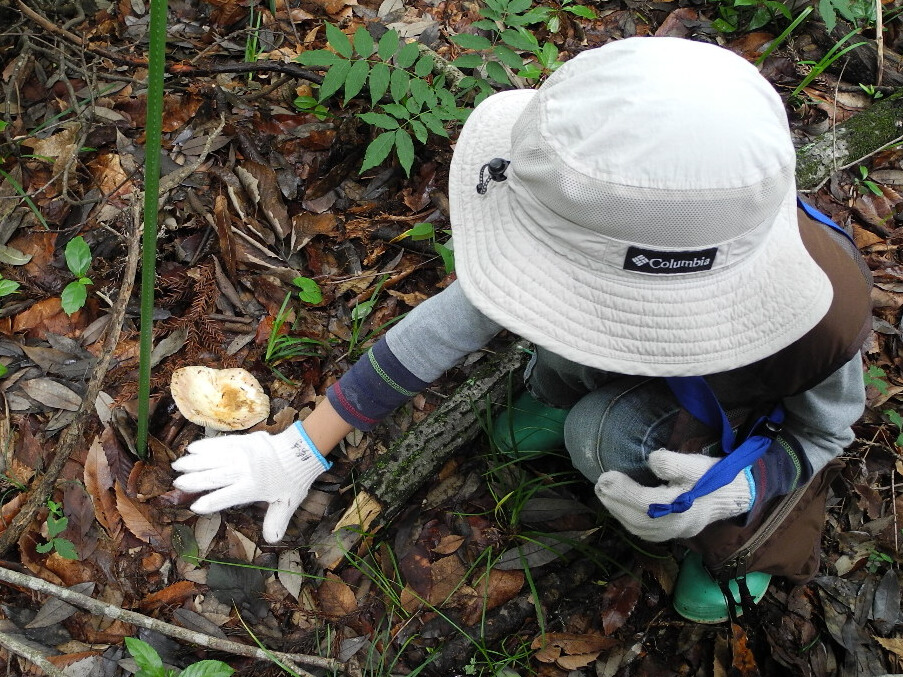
[(640, 260)]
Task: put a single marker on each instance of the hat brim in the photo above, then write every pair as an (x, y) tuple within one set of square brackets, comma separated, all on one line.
[(695, 324)]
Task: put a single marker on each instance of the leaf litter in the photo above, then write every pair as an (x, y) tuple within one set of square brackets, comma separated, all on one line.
[(279, 198)]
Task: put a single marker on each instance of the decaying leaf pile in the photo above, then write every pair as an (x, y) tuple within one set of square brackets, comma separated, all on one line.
[(493, 564)]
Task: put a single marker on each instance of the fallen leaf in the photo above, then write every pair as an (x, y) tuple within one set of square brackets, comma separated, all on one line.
[(99, 483), (553, 645), (618, 600), (894, 645), (742, 660), (171, 595), (137, 520), (336, 599), (52, 394)]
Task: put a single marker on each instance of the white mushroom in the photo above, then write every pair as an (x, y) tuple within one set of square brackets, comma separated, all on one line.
[(219, 399)]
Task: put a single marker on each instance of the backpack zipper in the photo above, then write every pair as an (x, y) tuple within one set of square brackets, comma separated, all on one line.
[(736, 563)]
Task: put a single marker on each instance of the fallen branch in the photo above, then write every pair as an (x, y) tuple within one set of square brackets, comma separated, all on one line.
[(174, 631), (30, 654), (851, 142), (417, 457), (72, 434)]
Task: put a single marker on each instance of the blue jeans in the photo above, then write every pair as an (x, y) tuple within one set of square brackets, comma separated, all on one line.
[(615, 421)]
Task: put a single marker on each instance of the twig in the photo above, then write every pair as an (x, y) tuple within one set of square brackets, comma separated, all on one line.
[(102, 608), (30, 654), (185, 69), (73, 432), (879, 41), (889, 144)]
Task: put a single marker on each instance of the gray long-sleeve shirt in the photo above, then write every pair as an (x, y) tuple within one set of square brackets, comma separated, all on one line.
[(441, 331)]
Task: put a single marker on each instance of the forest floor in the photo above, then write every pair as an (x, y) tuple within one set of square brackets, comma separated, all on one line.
[(493, 568)]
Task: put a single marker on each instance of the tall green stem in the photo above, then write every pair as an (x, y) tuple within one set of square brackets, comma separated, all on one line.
[(153, 133)]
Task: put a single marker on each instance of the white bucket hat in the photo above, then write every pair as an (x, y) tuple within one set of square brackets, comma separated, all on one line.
[(647, 221)]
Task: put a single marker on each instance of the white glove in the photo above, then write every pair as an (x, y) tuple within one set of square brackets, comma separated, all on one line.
[(629, 501), (278, 469)]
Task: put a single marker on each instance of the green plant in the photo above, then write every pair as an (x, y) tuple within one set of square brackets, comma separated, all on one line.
[(875, 377), (749, 15), (153, 136), (506, 21), (877, 559), (552, 15), (404, 101), (56, 524), (310, 291), (864, 184), (26, 198), (282, 347), (78, 260), (836, 51), (359, 314), (857, 12), (778, 41), (8, 287), (871, 90), (151, 665), (426, 231)]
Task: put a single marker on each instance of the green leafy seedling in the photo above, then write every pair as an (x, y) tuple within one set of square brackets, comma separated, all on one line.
[(56, 524), (866, 184), (309, 290), (151, 665), (8, 287), (875, 376), (78, 260)]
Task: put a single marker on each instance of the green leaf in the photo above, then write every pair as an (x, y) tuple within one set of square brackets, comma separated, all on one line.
[(3, 125), (404, 147), (207, 668), (508, 57), (413, 105), (828, 15), (56, 525), (497, 72), (378, 150), (44, 548), (580, 10), (723, 26), (78, 256), (388, 45), (407, 56), (334, 79), (3, 370), (379, 82), (379, 120), (423, 93), (530, 72), (434, 124), (554, 24), (448, 257), (487, 24), (548, 55), (420, 231), (520, 39), (397, 110), (8, 287), (310, 290), (145, 655), (424, 66), (363, 42), (73, 297), (357, 76), (468, 61), (470, 41), (65, 548), (420, 131), (518, 6), (338, 40), (319, 58), (398, 85), (759, 18)]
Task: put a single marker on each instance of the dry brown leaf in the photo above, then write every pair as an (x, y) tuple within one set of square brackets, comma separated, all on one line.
[(577, 661), (99, 483), (500, 586), (45, 316), (448, 544), (171, 595), (335, 597), (52, 394), (742, 660), (892, 644), (619, 599), (446, 574), (137, 519), (553, 644)]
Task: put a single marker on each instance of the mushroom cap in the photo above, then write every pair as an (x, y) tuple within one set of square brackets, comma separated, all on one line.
[(221, 399)]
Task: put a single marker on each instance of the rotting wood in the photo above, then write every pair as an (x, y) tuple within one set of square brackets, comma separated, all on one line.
[(853, 140), (417, 456), (102, 608)]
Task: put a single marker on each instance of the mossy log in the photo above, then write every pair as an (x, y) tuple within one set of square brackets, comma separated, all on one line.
[(858, 137), (387, 487)]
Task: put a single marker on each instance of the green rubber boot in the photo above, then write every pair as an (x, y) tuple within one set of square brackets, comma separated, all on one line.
[(698, 598), (528, 425)]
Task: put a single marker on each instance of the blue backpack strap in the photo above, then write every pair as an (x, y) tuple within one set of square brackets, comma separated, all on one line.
[(696, 396), (816, 215)]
